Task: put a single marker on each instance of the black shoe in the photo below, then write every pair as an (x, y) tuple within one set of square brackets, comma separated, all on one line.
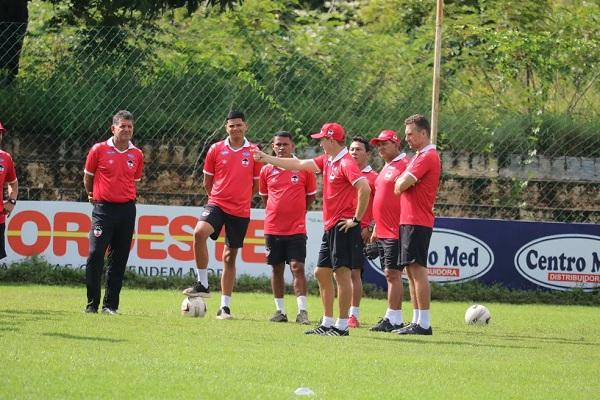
[(109, 311), (406, 326), (415, 329), (319, 330), (384, 325), (224, 313), (279, 317), (198, 290), (91, 310), (338, 332)]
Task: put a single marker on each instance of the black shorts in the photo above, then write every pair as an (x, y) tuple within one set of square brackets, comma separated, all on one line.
[(389, 253), (2, 240), (341, 249), (235, 227), (414, 244), (288, 248)]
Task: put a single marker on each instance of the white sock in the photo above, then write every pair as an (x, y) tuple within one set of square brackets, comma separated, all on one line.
[(424, 319), (225, 301), (354, 311), (202, 276), (341, 324), (415, 317), (395, 316), (301, 300), (279, 303), (327, 321)]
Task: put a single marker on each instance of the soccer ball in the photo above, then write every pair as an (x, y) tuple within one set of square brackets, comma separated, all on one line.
[(193, 307), (478, 315)]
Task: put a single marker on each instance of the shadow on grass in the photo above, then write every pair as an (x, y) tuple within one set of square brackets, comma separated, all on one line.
[(413, 339), (33, 312), (545, 339), (76, 337)]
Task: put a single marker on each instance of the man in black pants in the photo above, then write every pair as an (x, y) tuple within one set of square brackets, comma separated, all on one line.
[(111, 171)]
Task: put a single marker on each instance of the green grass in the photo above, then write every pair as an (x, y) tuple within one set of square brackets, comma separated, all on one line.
[(50, 349)]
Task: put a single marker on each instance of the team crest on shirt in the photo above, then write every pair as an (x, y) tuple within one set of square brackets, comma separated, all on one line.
[(388, 175), (111, 161), (97, 231), (295, 179), (245, 162), (130, 163)]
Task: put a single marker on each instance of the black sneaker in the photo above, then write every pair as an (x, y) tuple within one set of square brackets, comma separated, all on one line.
[(279, 317), (384, 325), (406, 326), (224, 313), (90, 310), (415, 329), (319, 330), (198, 290), (338, 332)]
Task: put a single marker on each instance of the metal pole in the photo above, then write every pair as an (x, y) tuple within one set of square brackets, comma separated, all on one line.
[(437, 55)]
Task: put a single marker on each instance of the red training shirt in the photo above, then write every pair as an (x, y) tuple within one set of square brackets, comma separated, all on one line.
[(417, 201), (339, 194), (386, 204), (233, 171), (371, 176), (115, 172), (7, 175), (285, 213)]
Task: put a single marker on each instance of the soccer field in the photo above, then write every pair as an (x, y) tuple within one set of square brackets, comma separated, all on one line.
[(50, 349)]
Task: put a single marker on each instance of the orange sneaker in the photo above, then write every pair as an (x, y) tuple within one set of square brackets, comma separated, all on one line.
[(353, 322)]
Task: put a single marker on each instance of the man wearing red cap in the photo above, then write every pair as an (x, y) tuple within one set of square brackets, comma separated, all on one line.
[(345, 199), (386, 211), (230, 180), (8, 177), (418, 186)]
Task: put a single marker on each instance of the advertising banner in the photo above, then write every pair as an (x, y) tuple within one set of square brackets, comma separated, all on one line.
[(515, 254)]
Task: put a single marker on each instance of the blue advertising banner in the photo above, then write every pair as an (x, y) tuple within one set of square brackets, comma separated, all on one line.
[(515, 254)]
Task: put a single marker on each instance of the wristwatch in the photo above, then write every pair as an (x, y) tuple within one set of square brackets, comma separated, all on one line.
[(370, 228), (355, 220), (12, 201)]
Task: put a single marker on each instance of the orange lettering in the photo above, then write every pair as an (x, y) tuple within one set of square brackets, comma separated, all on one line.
[(145, 237), (181, 235), (80, 235), (42, 239)]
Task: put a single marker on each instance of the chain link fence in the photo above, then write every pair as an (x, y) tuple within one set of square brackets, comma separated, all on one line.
[(496, 164)]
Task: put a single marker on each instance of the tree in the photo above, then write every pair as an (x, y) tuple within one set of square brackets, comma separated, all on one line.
[(13, 26)]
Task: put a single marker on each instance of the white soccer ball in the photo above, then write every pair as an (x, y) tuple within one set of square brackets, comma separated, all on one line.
[(478, 315), (193, 307)]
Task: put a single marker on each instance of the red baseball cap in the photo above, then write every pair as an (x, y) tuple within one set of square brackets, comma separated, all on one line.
[(331, 130), (2, 130), (384, 136)]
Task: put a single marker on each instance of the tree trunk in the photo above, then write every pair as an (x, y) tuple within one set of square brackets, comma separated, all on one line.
[(13, 26)]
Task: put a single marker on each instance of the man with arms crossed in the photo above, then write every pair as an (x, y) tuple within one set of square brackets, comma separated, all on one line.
[(386, 211), (360, 150), (112, 170), (345, 198), (230, 180), (418, 187), (287, 195)]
